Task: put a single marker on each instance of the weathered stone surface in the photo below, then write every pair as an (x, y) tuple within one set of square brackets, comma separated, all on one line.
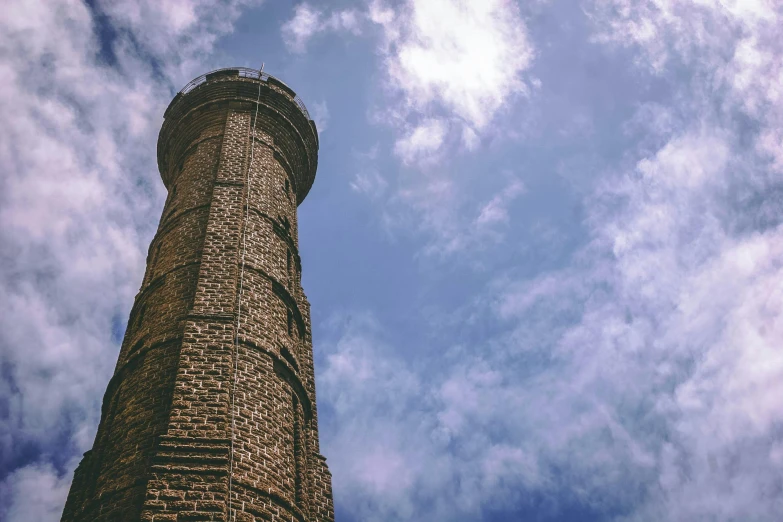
[(203, 420)]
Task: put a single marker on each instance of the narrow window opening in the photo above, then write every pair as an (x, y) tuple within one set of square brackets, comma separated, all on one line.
[(136, 346), (290, 318), (287, 186), (139, 317), (289, 357), (153, 262), (284, 222), (170, 207)]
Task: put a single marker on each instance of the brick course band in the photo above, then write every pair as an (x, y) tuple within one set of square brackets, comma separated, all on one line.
[(163, 447)]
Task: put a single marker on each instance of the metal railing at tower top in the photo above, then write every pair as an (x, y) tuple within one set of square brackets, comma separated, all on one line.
[(243, 72)]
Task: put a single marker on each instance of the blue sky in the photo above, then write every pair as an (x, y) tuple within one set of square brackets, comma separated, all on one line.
[(544, 247)]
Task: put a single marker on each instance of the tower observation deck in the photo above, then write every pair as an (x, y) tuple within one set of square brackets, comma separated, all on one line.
[(211, 413)]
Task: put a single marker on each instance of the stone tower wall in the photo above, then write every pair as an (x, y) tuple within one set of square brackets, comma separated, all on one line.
[(164, 447)]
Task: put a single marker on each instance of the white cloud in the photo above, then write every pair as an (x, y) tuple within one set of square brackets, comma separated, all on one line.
[(422, 142), (34, 492), (645, 377), (348, 20), (643, 380), (449, 68), (735, 43), (470, 138), (465, 58), (453, 221), (319, 112), (496, 211), (369, 182), (305, 23), (430, 455), (309, 21), (698, 303), (690, 276)]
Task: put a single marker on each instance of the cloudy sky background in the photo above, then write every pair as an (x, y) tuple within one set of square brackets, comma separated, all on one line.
[(544, 248)]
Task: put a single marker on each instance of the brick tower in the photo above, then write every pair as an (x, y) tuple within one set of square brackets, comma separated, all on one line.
[(210, 414)]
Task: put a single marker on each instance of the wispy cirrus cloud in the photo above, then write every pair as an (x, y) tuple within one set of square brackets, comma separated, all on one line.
[(699, 248), (308, 21), (642, 381), (35, 492), (732, 46), (422, 143)]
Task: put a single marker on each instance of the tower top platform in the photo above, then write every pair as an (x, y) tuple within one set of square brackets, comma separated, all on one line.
[(240, 88)]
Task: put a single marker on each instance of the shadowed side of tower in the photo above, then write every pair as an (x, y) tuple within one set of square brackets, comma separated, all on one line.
[(210, 414)]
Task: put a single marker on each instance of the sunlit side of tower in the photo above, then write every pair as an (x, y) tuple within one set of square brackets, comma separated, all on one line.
[(210, 414)]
